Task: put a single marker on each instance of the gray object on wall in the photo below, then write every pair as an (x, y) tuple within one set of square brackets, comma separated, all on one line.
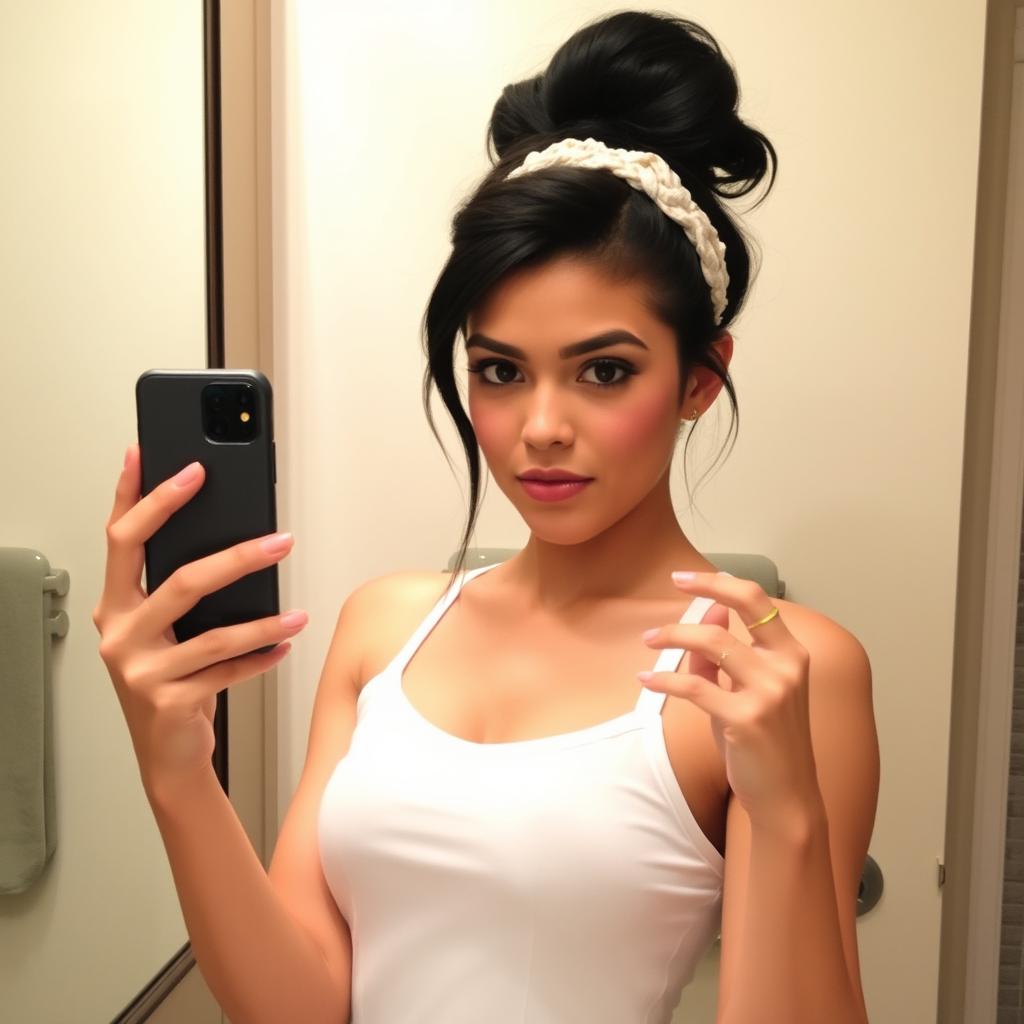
[(28, 624)]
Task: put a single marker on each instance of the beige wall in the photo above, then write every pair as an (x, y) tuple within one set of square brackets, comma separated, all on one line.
[(101, 277), (850, 361)]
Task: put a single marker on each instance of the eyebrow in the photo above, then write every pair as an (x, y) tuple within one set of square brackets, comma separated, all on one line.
[(577, 348)]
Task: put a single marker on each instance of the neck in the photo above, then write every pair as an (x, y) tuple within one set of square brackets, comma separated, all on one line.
[(631, 560)]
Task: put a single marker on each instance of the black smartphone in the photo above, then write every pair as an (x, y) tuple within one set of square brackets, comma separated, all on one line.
[(223, 419)]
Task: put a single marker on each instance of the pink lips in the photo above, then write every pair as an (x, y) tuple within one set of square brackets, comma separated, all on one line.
[(556, 490), (549, 476)]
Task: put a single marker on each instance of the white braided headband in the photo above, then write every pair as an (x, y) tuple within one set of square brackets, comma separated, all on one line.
[(646, 172)]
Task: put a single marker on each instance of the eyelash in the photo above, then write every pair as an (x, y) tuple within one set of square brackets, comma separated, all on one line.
[(629, 370)]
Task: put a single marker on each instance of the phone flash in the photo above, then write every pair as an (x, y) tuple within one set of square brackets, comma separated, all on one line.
[(244, 417)]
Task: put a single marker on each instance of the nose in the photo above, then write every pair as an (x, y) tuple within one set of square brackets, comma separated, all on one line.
[(546, 420)]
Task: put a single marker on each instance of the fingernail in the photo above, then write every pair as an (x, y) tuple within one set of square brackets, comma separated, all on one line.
[(651, 633), (681, 577), (187, 475), (276, 543), (296, 617), (127, 452)]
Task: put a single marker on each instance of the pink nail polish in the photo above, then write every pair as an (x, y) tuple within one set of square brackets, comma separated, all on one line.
[(187, 475), (275, 543)]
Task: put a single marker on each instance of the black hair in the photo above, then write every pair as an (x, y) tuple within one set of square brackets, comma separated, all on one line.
[(632, 80)]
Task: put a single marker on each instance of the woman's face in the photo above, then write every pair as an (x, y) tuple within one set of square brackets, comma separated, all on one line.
[(610, 413)]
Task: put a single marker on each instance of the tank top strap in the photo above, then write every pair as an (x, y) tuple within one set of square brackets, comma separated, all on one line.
[(651, 702), (432, 617)]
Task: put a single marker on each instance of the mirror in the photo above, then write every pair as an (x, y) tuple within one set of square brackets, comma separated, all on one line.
[(110, 261)]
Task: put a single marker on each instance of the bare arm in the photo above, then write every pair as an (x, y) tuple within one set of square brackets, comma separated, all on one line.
[(258, 960), (272, 947)]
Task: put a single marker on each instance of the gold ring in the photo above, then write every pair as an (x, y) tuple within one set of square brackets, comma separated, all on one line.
[(760, 622)]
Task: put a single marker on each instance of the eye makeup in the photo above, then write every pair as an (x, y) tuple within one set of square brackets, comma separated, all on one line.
[(620, 364)]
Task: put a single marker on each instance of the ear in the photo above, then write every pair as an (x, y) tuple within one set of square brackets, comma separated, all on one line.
[(707, 386), (723, 347)]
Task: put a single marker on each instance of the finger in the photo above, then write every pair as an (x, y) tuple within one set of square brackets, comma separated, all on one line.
[(224, 674), (706, 642), (122, 578), (186, 585), (722, 705), (748, 599), (221, 644), (700, 663), (132, 522), (124, 498)]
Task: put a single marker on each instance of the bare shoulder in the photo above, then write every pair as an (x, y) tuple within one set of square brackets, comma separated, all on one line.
[(827, 641), (405, 587), (814, 628), (834, 651), (803, 621), (393, 605)]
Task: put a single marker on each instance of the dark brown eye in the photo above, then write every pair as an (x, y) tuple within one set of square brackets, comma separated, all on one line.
[(607, 366)]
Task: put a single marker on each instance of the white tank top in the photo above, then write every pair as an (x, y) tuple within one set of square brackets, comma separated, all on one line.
[(543, 881)]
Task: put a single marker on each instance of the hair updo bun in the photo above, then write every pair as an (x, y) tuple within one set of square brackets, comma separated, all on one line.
[(632, 80), (645, 81)]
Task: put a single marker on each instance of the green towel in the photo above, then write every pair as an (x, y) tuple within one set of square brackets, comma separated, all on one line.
[(28, 821)]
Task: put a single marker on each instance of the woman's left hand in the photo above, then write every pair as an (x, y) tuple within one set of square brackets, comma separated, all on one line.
[(760, 713)]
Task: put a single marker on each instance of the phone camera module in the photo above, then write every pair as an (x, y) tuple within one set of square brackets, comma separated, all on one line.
[(230, 413)]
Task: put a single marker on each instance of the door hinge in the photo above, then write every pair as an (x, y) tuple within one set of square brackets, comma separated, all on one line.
[(942, 872)]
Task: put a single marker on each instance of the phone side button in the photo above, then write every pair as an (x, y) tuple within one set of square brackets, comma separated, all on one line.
[(273, 455)]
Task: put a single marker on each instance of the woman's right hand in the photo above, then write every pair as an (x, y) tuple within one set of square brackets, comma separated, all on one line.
[(168, 690)]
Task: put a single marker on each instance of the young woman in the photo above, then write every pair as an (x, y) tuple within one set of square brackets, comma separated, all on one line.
[(497, 820)]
